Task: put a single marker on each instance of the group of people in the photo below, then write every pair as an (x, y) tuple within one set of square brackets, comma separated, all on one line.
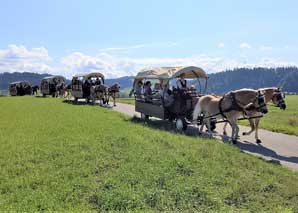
[(160, 89), (88, 83)]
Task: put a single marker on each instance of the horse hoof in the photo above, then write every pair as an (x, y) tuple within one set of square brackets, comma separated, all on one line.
[(258, 141)]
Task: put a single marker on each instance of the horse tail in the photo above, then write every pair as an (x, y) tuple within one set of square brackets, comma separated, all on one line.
[(197, 111)]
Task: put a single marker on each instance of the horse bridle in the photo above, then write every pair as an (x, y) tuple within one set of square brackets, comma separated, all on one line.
[(279, 97), (261, 100)]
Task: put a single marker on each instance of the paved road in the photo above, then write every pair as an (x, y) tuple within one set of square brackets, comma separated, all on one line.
[(276, 147)]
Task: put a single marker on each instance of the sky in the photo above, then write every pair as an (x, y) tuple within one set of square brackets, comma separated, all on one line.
[(119, 38)]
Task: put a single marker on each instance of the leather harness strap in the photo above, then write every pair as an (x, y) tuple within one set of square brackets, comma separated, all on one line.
[(234, 106)]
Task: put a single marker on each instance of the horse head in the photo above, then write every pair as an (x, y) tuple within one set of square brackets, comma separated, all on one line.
[(258, 104), (115, 87), (278, 99)]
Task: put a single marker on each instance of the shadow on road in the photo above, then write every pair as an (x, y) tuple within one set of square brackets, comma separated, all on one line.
[(262, 150)]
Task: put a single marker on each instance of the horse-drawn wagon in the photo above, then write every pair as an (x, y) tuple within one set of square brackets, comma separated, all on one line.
[(49, 85), (81, 85), (20, 88), (167, 101)]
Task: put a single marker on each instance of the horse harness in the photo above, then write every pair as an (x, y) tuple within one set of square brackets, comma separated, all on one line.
[(234, 105)]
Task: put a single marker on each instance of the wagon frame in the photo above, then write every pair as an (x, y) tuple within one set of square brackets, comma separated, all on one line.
[(14, 90), (48, 85), (181, 109), (77, 85)]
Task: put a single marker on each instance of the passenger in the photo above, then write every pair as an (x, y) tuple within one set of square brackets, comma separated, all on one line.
[(148, 92), (97, 82), (182, 83), (139, 89)]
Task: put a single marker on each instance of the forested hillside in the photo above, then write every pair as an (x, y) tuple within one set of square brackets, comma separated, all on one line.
[(221, 82), (286, 78)]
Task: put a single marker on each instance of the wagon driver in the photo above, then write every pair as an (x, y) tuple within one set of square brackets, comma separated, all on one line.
[(181, 82)]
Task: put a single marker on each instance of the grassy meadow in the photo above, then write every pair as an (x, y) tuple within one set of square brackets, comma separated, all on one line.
[(58, 156), (276, 120)]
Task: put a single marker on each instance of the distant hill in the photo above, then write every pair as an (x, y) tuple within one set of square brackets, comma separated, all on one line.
[(125, 82), (6, 78), (221, 82)]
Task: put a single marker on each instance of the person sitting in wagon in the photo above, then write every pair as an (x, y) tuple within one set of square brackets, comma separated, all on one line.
[(97, 81), (148, 92), (182, 83), (139, 89)]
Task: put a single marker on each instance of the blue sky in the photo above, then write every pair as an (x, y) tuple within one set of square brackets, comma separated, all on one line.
[(120, 37)]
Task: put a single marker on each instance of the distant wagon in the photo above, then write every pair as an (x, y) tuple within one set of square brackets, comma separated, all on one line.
[(48, 85), (167, 102), (81, 85), (20, 88)]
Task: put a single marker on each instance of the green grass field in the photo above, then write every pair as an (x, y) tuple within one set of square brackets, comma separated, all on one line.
[(276, 120), (60, 156)]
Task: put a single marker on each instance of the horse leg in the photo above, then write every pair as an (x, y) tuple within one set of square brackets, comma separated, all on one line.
[(233, 136), (252, 126), (256, 133), (225, 128), (114, 99), (209, 126)]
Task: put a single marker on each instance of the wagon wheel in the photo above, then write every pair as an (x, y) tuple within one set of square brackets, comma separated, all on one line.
[(181, 124), (144, 117)]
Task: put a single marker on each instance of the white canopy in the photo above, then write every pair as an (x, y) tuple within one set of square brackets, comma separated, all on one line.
[(91, 75), (54, 77), (20, 82), (171, 72)]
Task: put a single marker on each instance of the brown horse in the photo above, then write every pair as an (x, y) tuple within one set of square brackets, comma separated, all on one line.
[(113, 92), (272, 94), (229, 107)]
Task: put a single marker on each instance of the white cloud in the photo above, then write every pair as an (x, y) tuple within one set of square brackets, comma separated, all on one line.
[(266, 48), (20, 59), (244, 45), (221, 45), (114, 66), (140, 46)]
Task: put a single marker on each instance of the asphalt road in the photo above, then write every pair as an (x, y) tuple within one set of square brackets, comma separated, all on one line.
[(275, 147)]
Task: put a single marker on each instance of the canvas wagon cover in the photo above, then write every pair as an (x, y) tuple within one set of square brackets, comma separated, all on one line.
[(171, 72), (90, 75), (20, 82), (54, 76)]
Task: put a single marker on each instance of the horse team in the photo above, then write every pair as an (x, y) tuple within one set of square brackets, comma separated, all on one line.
[(251, 104)]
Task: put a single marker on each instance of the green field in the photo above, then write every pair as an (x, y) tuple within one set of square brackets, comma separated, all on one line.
[(277, 120), (60, 156), (284, 121)]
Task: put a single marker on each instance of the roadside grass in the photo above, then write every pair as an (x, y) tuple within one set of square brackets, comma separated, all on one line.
[(56, 156), (284, 121), (126, 101)]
